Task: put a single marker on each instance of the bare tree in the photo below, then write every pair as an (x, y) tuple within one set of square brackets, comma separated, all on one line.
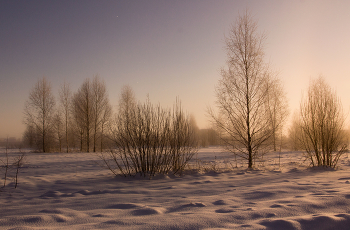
[(193, 124), (106, 119), (39, 112), (100, 108), (57, 124), (30, 136), (91, 109), (126, 112), (322, 124), (126, 107), (65, 95), (79, 125), (294, 132), (277, 108), (83, 112), (243, 119)]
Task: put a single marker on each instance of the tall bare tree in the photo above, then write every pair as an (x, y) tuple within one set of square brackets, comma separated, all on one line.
[(30, 136), (83, 112), (78, 120), (241, 100), (277, 108), (106, 119), (126, 109), (127, 104), (322, 125), (65, 95), (39, 112), (100, 108), (91, 110), (294, 132), (57, 125)]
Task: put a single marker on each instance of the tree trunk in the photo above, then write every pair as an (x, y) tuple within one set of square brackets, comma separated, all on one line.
[(67, 132)]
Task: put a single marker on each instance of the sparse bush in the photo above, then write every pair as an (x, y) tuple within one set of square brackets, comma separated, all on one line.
[(322, 125), (149, 140)]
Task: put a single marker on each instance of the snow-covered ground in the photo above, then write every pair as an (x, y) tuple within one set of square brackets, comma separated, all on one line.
[(71, 191)]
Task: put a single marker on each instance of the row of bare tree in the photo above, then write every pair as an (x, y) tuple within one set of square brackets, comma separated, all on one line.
[(252, 106), (144, 139), (252, 110), (78, 119)]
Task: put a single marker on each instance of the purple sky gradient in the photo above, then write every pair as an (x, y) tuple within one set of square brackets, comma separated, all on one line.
[(166, 49)]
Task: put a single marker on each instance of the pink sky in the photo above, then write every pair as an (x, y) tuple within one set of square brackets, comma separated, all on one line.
[(166, 49)]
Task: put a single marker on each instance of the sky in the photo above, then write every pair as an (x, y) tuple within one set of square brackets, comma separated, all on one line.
[(164, 49)]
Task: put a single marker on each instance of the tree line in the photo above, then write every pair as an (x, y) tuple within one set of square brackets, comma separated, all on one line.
[(75, 120), (249, 119), (141, 138), (83, 120)]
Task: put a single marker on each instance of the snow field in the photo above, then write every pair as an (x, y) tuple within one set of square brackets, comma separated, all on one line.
[(71, 191)]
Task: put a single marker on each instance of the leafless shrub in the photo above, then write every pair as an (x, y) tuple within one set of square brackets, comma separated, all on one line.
[(149, 140), (322, 125)]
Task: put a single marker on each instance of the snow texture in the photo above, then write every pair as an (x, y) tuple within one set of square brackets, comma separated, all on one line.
[(73, 191)]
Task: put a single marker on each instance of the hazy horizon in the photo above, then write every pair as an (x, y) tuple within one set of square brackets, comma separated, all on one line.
[(163, 49)]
